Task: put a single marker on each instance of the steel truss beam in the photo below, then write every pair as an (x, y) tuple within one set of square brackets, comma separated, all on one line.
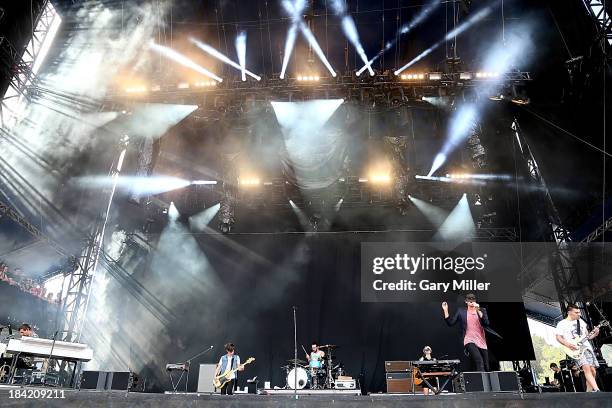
[(598, 13), (564, 272), (385, 89)]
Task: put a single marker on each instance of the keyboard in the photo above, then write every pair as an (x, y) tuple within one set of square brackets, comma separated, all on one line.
[(62, 350), (436, 362)]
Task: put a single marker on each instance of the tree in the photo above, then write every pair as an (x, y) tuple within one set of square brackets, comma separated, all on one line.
[(545, 354)]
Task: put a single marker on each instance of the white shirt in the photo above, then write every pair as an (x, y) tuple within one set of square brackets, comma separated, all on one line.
[(567, 329)]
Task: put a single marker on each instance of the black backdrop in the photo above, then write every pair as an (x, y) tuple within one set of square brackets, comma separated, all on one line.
[(246, 290)]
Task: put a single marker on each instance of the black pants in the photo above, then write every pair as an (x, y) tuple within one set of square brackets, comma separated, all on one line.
[(478, 356), (228, 388)]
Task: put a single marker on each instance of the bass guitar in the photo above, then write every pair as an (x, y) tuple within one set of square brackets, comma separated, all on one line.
[(222, 379), (581, 342)]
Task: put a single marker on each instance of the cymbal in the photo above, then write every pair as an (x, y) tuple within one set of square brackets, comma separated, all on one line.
[(328, 346), (298, 362)]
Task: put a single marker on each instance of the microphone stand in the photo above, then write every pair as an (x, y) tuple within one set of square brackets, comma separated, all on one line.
[(44, 384), (295, 353), (188, 364)]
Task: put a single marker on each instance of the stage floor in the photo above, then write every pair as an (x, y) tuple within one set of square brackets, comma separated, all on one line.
[(118, 399)]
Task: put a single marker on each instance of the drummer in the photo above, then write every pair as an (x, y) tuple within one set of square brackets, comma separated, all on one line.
[(315, 358)]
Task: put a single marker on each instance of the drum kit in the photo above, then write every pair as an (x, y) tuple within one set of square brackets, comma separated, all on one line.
[(301, 375)]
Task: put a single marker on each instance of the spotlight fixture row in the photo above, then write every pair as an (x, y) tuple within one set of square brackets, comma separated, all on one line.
[(308, 78)]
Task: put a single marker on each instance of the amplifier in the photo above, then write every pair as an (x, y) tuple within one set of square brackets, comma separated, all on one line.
[(398, 366), (399, 382)]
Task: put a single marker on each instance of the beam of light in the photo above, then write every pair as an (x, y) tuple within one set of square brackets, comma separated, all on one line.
[(150, 120), (183, 60), (459, 225), (405, 29), (289, 44), (451, 180), (338, 205), (139, 185), (350, 30), (241, 51), (302, 218), (451, 34), (435, 215), (199, 222), (173, 213), (294, 10), (460, 124), (221, 57), (309, 116)]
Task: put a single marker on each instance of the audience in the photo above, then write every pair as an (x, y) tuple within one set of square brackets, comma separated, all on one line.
[(17, 278)]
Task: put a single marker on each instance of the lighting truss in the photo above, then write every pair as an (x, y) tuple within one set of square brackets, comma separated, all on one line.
[(598, 12), (24, 66)]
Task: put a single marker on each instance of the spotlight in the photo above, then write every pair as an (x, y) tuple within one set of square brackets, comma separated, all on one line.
[(173, 213), (156, 88), (308, 78), (465, 76), (203, 182), (136, 89), (380, 178), (435, 76), (249, 181), (183, 85)]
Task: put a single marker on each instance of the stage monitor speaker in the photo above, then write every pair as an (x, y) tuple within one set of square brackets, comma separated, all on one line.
[(495, 381), (505, 381), (475, 381), (205, 377), (93, 380), (399, 383)]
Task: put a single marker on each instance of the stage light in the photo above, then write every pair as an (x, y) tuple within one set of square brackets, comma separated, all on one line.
[(173, 213), (380, 178), (363, 180), (137, 185), (183, 60), (205, 84), (213, 52), (136, 89), (412, 77), (249, 181), (465, 76), (203, 182), (475, 18), (487, 75), (308, 78), (155, 88), (183, 85), (435, 76), (338, 205)]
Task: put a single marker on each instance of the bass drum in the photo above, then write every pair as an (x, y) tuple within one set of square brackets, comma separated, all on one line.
[(302, 378)]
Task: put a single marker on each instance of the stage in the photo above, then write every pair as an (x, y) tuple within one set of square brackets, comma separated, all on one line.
[(118, 399)]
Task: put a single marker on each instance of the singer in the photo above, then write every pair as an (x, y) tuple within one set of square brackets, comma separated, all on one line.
[(473, 321)]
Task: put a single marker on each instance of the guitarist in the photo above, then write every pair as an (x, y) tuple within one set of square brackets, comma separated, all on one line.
[(573, 327), (229, 361)]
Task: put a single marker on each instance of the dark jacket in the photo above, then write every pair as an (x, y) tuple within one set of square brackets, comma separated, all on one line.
[(461, 317)]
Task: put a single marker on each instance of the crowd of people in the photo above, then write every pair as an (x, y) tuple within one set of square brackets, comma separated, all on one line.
[(18, 279)]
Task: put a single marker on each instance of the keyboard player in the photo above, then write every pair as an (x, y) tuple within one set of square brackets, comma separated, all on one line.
[(427, 356)]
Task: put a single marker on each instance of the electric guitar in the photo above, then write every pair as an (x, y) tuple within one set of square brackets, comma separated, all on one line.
[(222, 379), (581, 342)]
